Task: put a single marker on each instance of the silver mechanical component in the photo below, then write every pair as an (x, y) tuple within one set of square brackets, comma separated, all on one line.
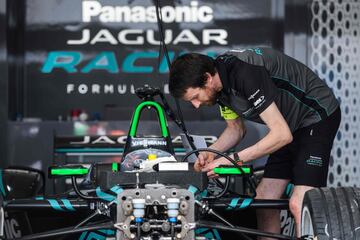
[(146, 227), (184, 207), (165, 212), (173, 207), (128, 207)]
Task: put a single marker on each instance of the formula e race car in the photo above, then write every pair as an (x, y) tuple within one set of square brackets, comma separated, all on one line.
[(151, 194)]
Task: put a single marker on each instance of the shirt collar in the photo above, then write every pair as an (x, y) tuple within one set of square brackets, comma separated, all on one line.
[(221, 69), (223, 97)]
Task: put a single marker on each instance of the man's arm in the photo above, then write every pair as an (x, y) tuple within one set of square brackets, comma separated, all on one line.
[(233, 133), (278, 136)]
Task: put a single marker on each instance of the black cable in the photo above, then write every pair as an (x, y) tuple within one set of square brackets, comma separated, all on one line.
[(179, 122), (94, 214), (252, 186), (80, 194), (161, 31), (225, 189), (166, 53)]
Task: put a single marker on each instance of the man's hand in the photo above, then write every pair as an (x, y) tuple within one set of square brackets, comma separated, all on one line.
[(209, 168), (203, 159)]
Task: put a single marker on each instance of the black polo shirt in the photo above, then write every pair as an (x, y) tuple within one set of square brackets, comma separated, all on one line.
[(254, 78)]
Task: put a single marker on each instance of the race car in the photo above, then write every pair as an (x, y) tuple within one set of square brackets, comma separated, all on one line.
[(153, 194)]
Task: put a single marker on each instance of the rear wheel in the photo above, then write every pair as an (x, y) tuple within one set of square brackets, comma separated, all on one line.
[(331, 213)]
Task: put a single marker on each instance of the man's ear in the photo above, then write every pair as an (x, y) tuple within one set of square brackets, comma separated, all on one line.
[(209, 79)]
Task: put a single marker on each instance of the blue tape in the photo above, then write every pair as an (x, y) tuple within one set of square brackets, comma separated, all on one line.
[(55, 205), (210, 233), (104, 196), (216, 233), (94, 236), (2, 189), (192, 189), (233, 203), (91, 236), (107, 231), (116, 189), (246, 202), (68, 205), (200, 230), (204, 193), (83, 235), (39, 198)]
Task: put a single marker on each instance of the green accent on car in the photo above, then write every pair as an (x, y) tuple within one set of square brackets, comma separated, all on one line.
[(69, 171), (115, 167), (161, 116), (231, 171)]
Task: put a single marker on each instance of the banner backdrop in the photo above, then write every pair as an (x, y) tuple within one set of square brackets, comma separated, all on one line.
[(91, 55)]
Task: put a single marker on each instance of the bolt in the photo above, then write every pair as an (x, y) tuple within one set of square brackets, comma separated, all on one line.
[(178, 235), (132, 236)]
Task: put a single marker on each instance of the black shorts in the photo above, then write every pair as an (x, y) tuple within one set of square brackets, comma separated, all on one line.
[(305, 161)]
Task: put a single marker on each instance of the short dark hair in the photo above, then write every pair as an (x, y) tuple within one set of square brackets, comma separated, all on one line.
[(188, 71)]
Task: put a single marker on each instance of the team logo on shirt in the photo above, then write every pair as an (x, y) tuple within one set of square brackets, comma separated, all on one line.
[(260, 99), (254, 94)]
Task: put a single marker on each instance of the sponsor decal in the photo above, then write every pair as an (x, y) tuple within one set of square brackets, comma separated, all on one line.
[(140, 37), (147, 142), (129, 18), (287, 223), (314, 161), (106, 13), (248, 112), (256, 50), (12, 227), (100, 140), (254, 94), (259, 100), (85, 140)]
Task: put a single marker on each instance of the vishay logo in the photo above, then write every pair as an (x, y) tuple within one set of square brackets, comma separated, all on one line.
[(260, 99), (136, 14)]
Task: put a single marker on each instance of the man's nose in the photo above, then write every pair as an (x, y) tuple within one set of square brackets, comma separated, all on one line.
[(195, 103)]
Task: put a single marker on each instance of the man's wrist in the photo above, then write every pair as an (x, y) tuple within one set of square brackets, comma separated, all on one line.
[(237, 159)]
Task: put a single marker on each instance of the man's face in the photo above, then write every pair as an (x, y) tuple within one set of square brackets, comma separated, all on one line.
[(201, 96)]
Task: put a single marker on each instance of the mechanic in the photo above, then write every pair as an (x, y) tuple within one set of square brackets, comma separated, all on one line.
[(267, 87)]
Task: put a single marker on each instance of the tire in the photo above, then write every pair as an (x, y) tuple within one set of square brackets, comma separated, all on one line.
[(331, 213)]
